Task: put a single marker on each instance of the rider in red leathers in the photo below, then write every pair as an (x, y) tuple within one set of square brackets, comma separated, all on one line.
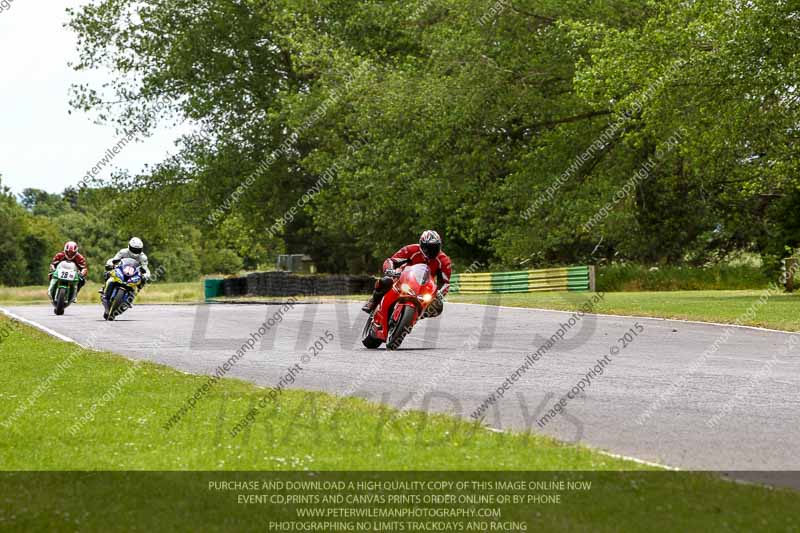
[(428, 251), (70, 253)]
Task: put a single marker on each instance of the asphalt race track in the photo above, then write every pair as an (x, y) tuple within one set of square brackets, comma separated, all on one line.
[(453, 363)]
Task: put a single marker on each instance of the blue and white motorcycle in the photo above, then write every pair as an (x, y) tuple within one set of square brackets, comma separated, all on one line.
[(124, 282)]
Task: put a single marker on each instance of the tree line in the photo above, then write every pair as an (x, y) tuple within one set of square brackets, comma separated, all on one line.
[(35, 225)]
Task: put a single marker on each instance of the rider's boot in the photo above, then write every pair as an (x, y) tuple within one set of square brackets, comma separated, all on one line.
[(105, 280), (369, 306), (50, 288)]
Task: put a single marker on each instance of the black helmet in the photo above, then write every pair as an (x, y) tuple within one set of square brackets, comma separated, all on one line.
[(430, 243)]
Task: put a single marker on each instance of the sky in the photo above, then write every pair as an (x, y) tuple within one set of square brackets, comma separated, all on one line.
[(41, 145)]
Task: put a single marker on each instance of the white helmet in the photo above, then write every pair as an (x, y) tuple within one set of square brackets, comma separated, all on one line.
[(135, 245)]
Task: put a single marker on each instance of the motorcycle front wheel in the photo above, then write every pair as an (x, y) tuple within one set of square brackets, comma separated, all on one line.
[(117, 305), (61, 300), (399, 329), (368, 338)]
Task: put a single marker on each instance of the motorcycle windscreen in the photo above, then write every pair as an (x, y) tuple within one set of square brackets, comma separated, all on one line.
[(129, 262), (67, 270), (129, 267), (421, 273)]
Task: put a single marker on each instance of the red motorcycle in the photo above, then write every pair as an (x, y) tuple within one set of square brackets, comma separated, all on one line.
[(400, 308)]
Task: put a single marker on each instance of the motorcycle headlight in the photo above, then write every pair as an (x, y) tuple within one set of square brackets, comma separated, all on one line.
[(426, 298), (406, 288)]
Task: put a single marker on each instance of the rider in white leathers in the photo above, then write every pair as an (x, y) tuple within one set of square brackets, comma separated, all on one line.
[(135, 251)]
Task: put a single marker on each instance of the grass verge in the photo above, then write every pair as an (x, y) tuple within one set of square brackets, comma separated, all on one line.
[(121, 406), (780, 311), (158, 292), (626, 278)]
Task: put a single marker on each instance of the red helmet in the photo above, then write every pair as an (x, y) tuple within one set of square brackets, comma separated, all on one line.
[(430, 243), (71, 250)]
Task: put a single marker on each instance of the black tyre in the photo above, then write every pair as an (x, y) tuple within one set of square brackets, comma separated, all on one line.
[(398, 330), (368, 339), (61, 301), (117, 305)]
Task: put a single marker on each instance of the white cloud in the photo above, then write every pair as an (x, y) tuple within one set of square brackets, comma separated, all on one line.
[(41, 145)]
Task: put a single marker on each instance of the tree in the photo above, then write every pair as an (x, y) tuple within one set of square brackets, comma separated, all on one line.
[(534, 133), (12, 259)]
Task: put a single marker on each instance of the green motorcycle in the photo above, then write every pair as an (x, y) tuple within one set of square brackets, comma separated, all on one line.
[(64, 286)]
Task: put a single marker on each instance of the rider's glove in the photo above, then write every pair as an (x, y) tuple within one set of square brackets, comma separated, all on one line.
[(391, 273)]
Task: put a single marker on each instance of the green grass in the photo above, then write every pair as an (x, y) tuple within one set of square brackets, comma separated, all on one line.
[(626, 278), (781, 311), (157, 292), (312, 431)]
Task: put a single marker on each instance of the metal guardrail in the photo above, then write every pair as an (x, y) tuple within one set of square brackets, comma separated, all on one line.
[(578, 278)]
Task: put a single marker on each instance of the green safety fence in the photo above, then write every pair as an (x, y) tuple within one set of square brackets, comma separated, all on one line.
[(578, 278)]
